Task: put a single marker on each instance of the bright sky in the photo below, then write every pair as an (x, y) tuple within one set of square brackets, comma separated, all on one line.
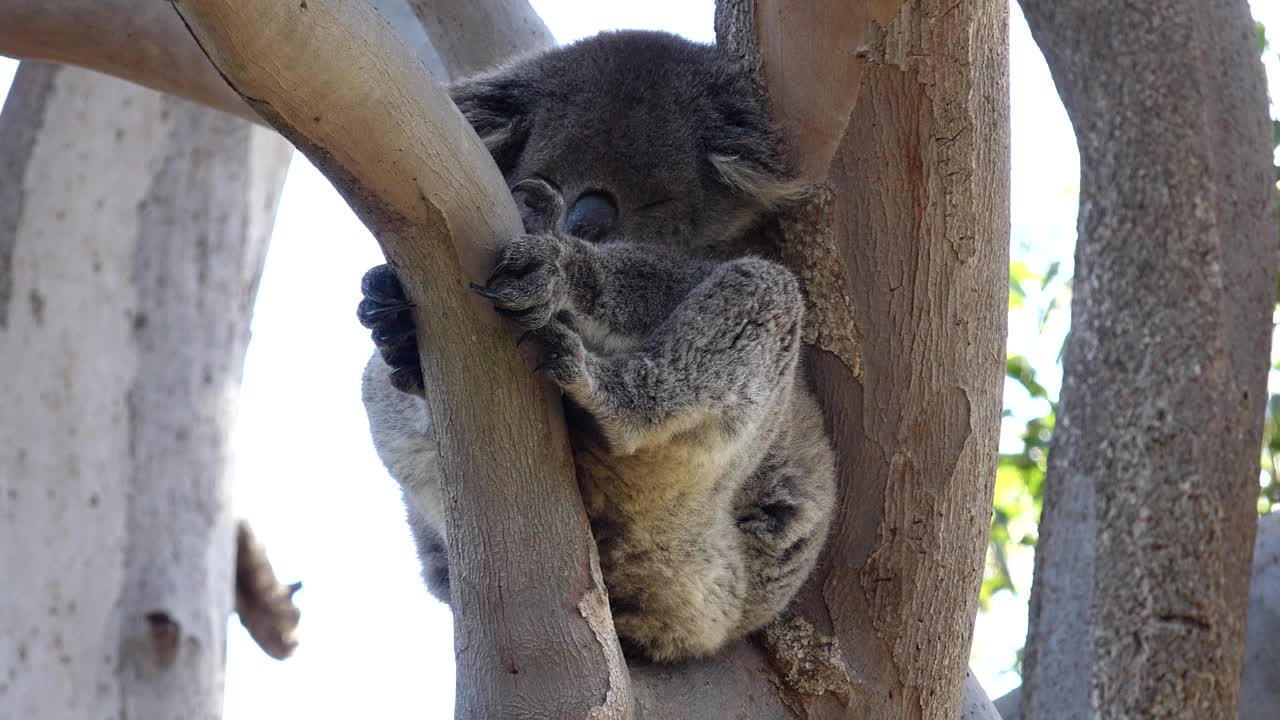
[(374, 643)]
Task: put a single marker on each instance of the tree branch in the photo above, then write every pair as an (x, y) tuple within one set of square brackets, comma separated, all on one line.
[(146, 43), (140, 42), (491, 32), (531, 622)]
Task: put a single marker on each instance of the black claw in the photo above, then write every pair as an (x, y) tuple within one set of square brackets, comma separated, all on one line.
[(369, 312), (498, 269), (524, 336), (486, 293)]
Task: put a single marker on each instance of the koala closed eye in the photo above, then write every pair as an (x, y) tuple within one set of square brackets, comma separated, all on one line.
[(593, 216)]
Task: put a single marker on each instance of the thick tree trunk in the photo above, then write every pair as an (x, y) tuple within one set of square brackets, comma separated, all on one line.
[(921, 225), (905, 262), (1142, 569), (132, 232), (1260, 679)]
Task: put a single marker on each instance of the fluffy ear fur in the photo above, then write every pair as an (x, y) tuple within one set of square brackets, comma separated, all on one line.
[(496, 104), (745, 148)]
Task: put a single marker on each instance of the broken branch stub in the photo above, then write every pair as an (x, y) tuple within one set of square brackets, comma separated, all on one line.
[(332, 78)]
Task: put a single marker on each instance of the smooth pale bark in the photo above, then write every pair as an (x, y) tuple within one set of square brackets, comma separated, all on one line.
[(472, 36), (1142, 568), (1260, 680), (139, 41), (976, 705), (133, 228), (145, 42), (332, 78), (810, 54)]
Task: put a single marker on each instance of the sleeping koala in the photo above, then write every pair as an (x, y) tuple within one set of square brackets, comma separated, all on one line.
[(701, 453)]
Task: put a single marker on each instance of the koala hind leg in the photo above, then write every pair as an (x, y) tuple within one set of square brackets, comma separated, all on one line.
[(723, 359)]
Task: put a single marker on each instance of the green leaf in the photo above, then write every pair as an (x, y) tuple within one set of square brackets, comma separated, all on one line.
[(1019, 369), (1054, 269)]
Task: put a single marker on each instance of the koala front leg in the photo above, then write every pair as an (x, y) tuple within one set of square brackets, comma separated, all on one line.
[(385, 311), (725, 351), (617, 294), (726, 354)]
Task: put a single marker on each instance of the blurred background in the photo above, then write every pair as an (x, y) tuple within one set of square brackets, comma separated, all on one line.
[(373, 642)]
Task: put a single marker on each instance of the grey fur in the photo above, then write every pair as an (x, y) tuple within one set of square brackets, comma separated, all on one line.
[(701, 452)]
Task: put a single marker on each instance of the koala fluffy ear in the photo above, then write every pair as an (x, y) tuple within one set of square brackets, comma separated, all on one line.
[(497, 106), (745, 148)]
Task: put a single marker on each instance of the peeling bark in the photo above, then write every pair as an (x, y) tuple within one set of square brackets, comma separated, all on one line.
[(1142, 567), (136, 226), (917, 213), (922, 226)]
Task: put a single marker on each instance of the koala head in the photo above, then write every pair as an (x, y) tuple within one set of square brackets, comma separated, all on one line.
[(647, 136)]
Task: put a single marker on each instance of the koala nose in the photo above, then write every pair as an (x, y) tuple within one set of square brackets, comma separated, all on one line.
[(592, 217)]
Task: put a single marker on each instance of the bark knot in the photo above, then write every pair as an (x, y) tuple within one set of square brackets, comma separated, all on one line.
[(807, 662)]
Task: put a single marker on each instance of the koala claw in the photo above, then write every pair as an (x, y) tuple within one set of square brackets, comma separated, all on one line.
[(564, 359), (528, 283), (385, 311)]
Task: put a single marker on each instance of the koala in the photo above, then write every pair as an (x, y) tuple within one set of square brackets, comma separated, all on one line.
[(636, 158)]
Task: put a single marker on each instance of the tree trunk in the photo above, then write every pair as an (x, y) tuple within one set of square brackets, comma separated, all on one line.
[(132, 232), (1260, 679), (1142, 569), (904, 259), (921, 225)]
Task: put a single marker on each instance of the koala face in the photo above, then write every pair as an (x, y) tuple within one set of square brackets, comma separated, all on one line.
[(647, 137)]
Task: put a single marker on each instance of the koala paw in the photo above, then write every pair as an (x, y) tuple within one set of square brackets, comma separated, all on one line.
[(385, 310), (564, 359), (528, 285)]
